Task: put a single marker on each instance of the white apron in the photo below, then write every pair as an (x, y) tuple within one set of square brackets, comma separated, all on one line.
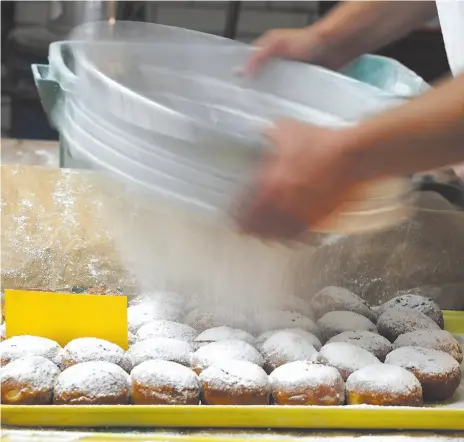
[(451, 14)]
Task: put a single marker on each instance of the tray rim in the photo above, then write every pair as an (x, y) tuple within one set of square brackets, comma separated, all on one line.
[(194, 416)]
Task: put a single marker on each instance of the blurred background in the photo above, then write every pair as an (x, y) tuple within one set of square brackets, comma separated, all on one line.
[(28, 27)]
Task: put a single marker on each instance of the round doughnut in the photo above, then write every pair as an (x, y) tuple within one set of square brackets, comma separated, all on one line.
[(312, 339), (219, 351), (383, 384), (284, 347), (160, 349), (173, 299), (222, 333), (164, 383), (28, 381), (397, 321), (3, 332), (161, 328), (280, 319), (92, 383), (25, 345), (336, 322), (437, 371), (417, 303), (141, 314), (345, 357), (232, 382), (372, 342), (307, 383), (437, 339), (333, 298), (131, 338), (93, 349), (202, 320)]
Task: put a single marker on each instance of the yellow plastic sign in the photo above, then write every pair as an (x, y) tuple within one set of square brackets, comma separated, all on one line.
[(64, 317)]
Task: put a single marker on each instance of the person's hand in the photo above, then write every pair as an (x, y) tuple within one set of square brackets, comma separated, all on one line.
[(306, 178), (306, 44)]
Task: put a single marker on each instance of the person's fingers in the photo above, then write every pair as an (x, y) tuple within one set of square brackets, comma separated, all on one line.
[(266, 47)]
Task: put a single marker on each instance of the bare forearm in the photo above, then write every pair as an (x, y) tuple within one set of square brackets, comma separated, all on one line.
[(356, 27), (426, 133)]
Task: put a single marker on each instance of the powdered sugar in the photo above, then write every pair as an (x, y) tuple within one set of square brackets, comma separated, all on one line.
[(20, 346), (284, 347), (215, 352), (278, 319), (3, 332), (30, 374), (94, 349), (345, 357), (155, 374), (161, 328), (312, 339), (336, 322), (437, 339), (164, 349), (142, 314), (223, 334), (93, 381), (372, 342), (408, 299), (173, 299), (396, 321), (297, 377), (333, 298), (235, 375), (202, 320), (383, 378), (423, 360)]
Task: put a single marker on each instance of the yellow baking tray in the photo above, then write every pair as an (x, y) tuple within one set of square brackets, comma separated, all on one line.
[(449, 416)]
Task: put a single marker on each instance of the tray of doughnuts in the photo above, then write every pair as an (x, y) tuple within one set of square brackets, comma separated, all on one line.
[(335, 362)]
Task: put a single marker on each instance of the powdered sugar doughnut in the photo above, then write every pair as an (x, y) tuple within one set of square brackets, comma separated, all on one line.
[(336, 322), (372, 342), (437, 339), (202, 320), (164, 383), (231, 382), (397, 321), (284, 347), (383, 384), (20, 346), (3, 332), (415, 302), (160, 349), (223, 333), (92, 383), (131, 338), (333, 298), (273, 320), (346, 358), (307, 383), (28, 381), (312, 339), (437, 371), (161, 328), (215, 352), (142, 314), (93, 349), (169, 298)]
